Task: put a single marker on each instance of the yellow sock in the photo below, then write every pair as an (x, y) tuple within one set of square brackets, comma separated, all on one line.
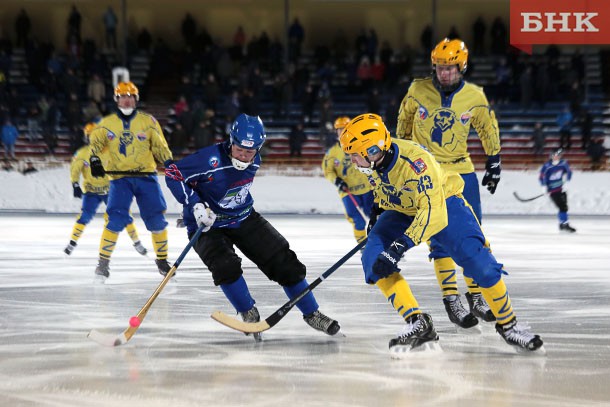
[(77, 231), (396, 289), (473, 287), (360, 235), (445, 275), (499, 301), (108, 243), (132, 232), (159, 240)]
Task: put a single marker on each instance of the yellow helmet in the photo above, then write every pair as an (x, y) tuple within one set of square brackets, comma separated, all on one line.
[(126, 88), (88, 128), (366, 135), (450, 52), (341, 122)]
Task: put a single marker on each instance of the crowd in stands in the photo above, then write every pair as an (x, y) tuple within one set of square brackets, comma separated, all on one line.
[(218, 81)]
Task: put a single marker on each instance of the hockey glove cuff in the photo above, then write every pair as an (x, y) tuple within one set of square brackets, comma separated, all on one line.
[(493, 168)]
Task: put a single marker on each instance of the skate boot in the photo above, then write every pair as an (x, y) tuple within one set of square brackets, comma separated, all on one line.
[(565, 227), (139, 248), (479, 308), (418, 331), (519, 336), (70, 247), (457, 313), (253, 316), (163, 266), (322, 323), (102, 271)]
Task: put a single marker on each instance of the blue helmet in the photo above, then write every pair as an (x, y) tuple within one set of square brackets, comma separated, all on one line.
[(248, 132)]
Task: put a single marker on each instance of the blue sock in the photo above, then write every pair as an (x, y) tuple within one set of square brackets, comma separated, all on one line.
[(238, 294), (563, 217), (307, 305)]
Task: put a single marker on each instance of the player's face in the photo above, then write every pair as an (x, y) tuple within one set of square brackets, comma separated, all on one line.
[(242, 154), (127, 101), (359, 161), (447, 75)]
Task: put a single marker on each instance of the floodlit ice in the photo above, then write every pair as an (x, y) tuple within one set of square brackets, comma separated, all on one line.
[(559, 284)]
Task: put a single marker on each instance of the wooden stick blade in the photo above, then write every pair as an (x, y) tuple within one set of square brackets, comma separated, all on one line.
[(241, 326)]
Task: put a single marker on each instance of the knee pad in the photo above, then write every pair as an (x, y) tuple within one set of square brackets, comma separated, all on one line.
[(85, 218), (483, 268), (285, 269), (226, 270), (155, 222)]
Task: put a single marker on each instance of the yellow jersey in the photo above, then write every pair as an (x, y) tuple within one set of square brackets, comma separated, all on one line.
[(80, 166), (416, 185), (442, 123), (338, 164), (132, 145)]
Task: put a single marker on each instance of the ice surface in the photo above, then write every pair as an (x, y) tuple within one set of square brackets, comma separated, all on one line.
[(560, 286)]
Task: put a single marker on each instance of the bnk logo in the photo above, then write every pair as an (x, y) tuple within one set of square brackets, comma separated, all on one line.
[(562, 22), (559, 22)]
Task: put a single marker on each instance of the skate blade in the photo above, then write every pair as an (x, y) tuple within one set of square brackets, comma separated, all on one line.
[(538, 352), (474, 330), (99, 279), (258, 336), (427, 349)]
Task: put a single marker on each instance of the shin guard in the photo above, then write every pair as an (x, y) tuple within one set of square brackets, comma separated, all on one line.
[(398, 293)]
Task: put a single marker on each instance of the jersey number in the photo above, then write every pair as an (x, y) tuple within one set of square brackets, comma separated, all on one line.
[(424, 183)]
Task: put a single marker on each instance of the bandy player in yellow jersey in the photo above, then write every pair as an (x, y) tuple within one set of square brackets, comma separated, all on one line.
[(96, 192), (423, 202), (134, 143), (354, 187), (438, 113)]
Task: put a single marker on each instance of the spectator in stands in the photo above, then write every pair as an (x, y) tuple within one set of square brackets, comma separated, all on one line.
[(74, 22), (597, 153), (426, 39), (478, 31), (74, 117), (499, 37), (110, 23), (34, 117), (586, 128), (9, 138), (296, 139), (296, 35), (96, 91), (49, 126), (144, 41), (374, 102), (178, 139), (308, 102), (91, 113), (526, 82), (503, 81), (211, 92), (564, 122), (23, 25), (538, 137)]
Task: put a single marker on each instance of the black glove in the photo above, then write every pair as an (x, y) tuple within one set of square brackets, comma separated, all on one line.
[(375, 212), (78, 193), (387, 261), (493, 168), (341, 185), (97, 169)]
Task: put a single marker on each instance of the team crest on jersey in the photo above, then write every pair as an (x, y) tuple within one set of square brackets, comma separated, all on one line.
[(213, 161), (465, 117), (111, 136), (423, 113), (337, 163), (141, 136), (419, 166)]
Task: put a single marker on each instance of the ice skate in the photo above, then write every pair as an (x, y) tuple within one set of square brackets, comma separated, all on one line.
[(418, 335), (519, 336), (163, 266), (458, 314), (479, 308), (565, 227), (140, 248), (70, 247), (321, 322), (253, 316), (102, 271)]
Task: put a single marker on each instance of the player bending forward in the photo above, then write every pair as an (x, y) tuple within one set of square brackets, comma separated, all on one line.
[(421, 202), (213, 185)]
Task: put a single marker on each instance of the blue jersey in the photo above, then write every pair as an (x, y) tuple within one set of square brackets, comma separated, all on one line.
[(552, 175), (209, 176)]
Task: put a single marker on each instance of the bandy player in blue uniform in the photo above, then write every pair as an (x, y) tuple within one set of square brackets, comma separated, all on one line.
[(213, 185), (554, 177)]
